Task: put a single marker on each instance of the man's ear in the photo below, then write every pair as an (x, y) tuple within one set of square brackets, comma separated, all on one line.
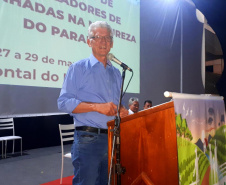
[(89, 42)]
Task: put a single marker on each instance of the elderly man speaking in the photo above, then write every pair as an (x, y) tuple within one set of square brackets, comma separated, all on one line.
[(90, 93)]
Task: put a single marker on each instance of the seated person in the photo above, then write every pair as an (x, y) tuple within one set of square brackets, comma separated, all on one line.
[(147, 104), (133, 105)]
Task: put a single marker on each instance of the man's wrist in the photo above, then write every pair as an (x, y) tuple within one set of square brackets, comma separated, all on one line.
[(94, 107)]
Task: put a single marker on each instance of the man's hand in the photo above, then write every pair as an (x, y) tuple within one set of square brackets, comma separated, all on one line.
[(108, 109), (123, 112)]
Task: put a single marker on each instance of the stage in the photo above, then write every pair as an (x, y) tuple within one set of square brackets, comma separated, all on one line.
[(34, 167)]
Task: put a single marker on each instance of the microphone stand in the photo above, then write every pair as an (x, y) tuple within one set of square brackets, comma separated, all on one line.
[(116, 140)]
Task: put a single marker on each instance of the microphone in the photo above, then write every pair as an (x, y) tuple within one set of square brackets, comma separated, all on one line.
[(110, 56)]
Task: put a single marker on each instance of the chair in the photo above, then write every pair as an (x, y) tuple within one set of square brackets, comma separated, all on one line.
[(8, 124), (66, 134)]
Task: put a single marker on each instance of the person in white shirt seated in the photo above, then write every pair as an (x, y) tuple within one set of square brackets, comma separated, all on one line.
[(133, 105)]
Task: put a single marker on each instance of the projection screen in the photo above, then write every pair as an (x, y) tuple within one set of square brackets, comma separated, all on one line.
[(40, 39)]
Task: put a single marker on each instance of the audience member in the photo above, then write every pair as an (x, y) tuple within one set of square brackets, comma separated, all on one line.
[(133, 105), (147, 104)]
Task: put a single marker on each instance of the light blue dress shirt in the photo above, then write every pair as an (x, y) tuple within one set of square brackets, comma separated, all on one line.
[(89, 81)]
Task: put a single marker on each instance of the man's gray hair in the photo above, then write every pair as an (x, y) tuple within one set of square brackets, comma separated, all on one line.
[(132, 99), (99, 24)]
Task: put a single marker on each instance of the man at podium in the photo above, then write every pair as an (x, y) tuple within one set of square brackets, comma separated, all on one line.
[(90, 94)]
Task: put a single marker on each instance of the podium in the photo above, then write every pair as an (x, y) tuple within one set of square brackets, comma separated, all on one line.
[(148, 147)]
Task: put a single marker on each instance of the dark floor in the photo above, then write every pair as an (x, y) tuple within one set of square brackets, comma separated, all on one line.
[(34, 167)]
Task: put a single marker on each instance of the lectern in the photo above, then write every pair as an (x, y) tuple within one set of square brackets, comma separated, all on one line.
[(148, 147)]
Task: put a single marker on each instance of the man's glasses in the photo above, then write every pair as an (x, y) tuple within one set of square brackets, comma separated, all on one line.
[(99, 38)]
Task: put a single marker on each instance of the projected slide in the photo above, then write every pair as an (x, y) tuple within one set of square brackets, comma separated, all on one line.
[(40, 39)]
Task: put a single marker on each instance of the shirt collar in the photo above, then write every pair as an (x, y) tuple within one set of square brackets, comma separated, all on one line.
[(94, 61)]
